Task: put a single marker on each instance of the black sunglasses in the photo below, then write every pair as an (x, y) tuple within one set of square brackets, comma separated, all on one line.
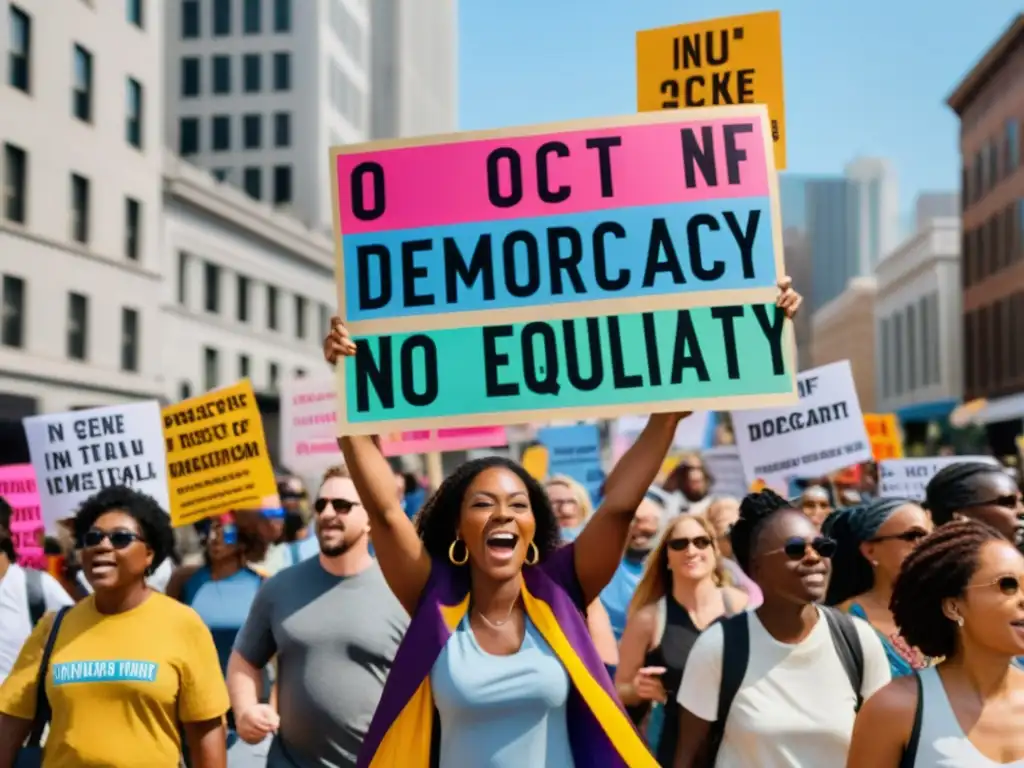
[(1009, 501), (911, 536), (119, 538), (683, 543), (1008, 585), (341, 506), (796, 548)]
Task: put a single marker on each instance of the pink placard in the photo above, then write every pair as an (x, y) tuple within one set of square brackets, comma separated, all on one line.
[(18, 487), (440, 440)]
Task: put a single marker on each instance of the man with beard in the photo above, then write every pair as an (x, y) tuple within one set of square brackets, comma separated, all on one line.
[(334, 626), (642, 534)]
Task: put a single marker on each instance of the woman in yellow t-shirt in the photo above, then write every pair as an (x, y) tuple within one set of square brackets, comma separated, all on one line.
[(130, 668)]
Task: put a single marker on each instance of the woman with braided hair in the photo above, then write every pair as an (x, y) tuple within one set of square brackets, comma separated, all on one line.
[(958, 596), (872, 541), (777, 687), (974, 490)]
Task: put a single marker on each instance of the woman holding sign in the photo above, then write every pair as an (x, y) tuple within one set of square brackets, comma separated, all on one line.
[(497, 667)]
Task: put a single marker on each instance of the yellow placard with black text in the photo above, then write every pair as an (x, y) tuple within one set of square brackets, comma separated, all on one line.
[(217, 456), (884, 433), (732, 60)]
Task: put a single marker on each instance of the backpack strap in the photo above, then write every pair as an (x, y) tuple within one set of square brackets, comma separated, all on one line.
[(34, 593), (847, 643), (910, 753), (43, 712), (735, 658)]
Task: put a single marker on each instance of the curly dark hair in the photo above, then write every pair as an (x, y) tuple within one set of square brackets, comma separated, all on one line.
[(755, 510), (955, 487), (937, 570), (153, 521), (438, 519)]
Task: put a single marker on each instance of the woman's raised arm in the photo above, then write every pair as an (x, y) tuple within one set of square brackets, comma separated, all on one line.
[(403, 559)]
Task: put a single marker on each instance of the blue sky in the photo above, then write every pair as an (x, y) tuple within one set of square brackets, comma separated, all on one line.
[(862, 78)]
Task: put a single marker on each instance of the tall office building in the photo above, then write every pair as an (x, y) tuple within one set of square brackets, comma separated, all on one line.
[(80, 154), (258, 90), (877, 216), (935, 205), (833, 208), (413, 70), (793, 200)]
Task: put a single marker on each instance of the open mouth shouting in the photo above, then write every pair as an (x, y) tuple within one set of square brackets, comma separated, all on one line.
[(501, 545)]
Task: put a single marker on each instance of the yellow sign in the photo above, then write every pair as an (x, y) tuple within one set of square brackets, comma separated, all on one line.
[(732, 60), (535, 461), (217, 456), (884, 433)]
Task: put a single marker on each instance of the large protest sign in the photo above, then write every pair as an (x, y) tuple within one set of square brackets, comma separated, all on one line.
[(309, 417), (572, 271), (78, 453), (18, 488), (575, 451), (908, 478), (731, 60), (822, 433), (217, 456)]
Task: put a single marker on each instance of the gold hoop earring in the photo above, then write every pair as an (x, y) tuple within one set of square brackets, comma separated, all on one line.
[(531, 547), (451, 552)]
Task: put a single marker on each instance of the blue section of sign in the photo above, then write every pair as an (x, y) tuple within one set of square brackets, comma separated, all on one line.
[(576, 452), (559, 259), (106, 671)]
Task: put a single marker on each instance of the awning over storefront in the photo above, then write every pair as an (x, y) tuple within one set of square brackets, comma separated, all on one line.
[(933, 411), (1010, 408)]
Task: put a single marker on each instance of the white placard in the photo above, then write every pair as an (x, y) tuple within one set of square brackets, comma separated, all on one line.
[(309, 415), (823, 433), (78, 453), (724, 465), (908, 478)]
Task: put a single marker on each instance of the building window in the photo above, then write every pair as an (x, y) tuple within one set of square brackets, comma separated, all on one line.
[(79, 208), (282, 129), (221, 174), (133, 12), (970, 375), (15, 190), (81, 93), (897, 368), (282, 184), (221, 18), (251, 20), (242, 299), (252, 72), (190, 19), (184, 391), (273, 374), (188, 136), (252, 182), (926, 348), (993, 164), (221, 133), (19, 54), (252, 131), (325, 319), (282, 71), (133, 116), (183, 271), (78, 327), (1012, 145), (911, 348), (191, 71), (211, 281), (13, 328), (282, 16), (221, 75), (132, 228), (936, 353), (243, 366), (129, 340), (210, 366), (883, 367), (271, 308), (300, 317)]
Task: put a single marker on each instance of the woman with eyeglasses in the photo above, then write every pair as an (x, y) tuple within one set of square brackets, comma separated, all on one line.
[(958, 596), (872, 541), (130, 668), (973, 490), (786, 669), (682, 592)]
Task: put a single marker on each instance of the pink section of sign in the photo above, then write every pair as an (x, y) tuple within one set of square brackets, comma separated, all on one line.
[(18, 487), (442, 184), (430, 440)]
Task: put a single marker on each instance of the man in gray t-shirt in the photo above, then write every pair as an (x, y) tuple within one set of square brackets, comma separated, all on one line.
[(334, 627)]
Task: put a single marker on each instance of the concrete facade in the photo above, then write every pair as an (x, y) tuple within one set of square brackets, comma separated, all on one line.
[(844, 329)]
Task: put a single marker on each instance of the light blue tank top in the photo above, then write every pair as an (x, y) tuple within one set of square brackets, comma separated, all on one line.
[(222, 605), (501, 711)]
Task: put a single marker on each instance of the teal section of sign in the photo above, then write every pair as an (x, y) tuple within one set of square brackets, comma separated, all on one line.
[(106, 671), (644, 343)]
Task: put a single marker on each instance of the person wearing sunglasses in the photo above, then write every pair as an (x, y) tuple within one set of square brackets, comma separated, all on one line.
[(778, 687), (959, 597), (872, 542), (131, 669), (973, 490), (334, 627), (723, 512), (684, 590)]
